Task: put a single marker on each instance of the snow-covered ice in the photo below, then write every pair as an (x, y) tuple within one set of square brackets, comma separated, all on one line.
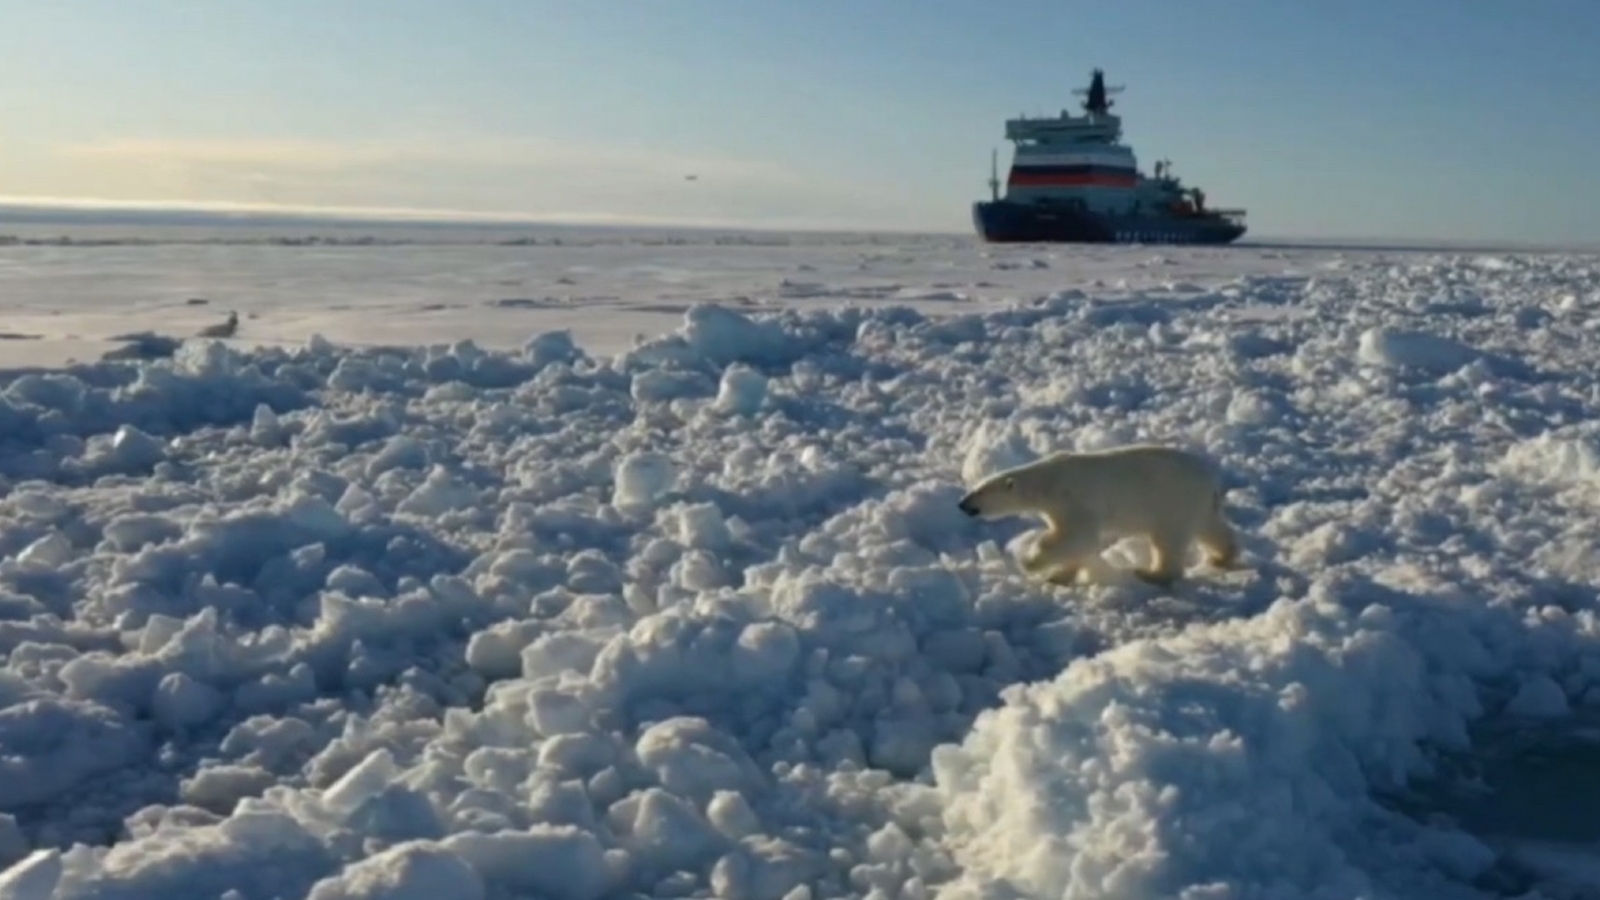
[(521, 611), (132, 293)]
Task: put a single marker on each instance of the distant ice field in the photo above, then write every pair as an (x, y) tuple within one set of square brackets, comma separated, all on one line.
[(601, 566), (67, 297)]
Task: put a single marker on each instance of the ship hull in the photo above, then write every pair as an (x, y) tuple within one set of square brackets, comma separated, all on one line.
[(1003, 222)]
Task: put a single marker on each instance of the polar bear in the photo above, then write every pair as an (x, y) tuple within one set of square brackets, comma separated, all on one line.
[(1091, 500)]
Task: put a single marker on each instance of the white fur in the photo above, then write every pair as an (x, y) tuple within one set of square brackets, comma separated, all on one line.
[(1089, 501)]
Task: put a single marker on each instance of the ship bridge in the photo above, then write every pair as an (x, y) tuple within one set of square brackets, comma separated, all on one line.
[(1075, 159), (1064, 129)]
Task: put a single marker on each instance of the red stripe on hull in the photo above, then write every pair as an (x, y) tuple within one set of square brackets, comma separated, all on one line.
[(1041, 179)]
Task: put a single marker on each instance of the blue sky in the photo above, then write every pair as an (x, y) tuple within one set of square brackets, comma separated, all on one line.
[(1452, 119)]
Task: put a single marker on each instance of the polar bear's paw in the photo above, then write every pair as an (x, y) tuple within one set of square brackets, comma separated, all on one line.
[(1166, 581), (1066, 576)]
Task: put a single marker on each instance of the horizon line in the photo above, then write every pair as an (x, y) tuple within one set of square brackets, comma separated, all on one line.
[(15, 209), (13, 206)]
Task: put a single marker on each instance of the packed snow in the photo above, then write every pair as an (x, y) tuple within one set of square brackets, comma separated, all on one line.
[(310, 612)]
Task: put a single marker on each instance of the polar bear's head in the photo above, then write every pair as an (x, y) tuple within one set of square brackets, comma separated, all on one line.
[(1007, 493)]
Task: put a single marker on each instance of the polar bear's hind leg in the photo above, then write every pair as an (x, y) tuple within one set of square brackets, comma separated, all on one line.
[(1218, 538), (1168, 548)]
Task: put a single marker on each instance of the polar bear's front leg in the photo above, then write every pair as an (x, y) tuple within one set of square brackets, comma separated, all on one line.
[(1058, 555), (1035, 558), (1167, 546)]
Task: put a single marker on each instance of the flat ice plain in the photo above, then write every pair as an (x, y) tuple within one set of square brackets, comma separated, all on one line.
[(435, 582)]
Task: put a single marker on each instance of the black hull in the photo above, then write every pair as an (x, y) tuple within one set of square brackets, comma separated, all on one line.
[(1000, 222)]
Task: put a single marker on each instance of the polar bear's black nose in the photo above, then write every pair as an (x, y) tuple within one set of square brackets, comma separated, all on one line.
[(967, 506)]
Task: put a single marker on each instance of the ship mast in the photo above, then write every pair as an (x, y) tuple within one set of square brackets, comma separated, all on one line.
[(1097, 102), (994, 174)]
